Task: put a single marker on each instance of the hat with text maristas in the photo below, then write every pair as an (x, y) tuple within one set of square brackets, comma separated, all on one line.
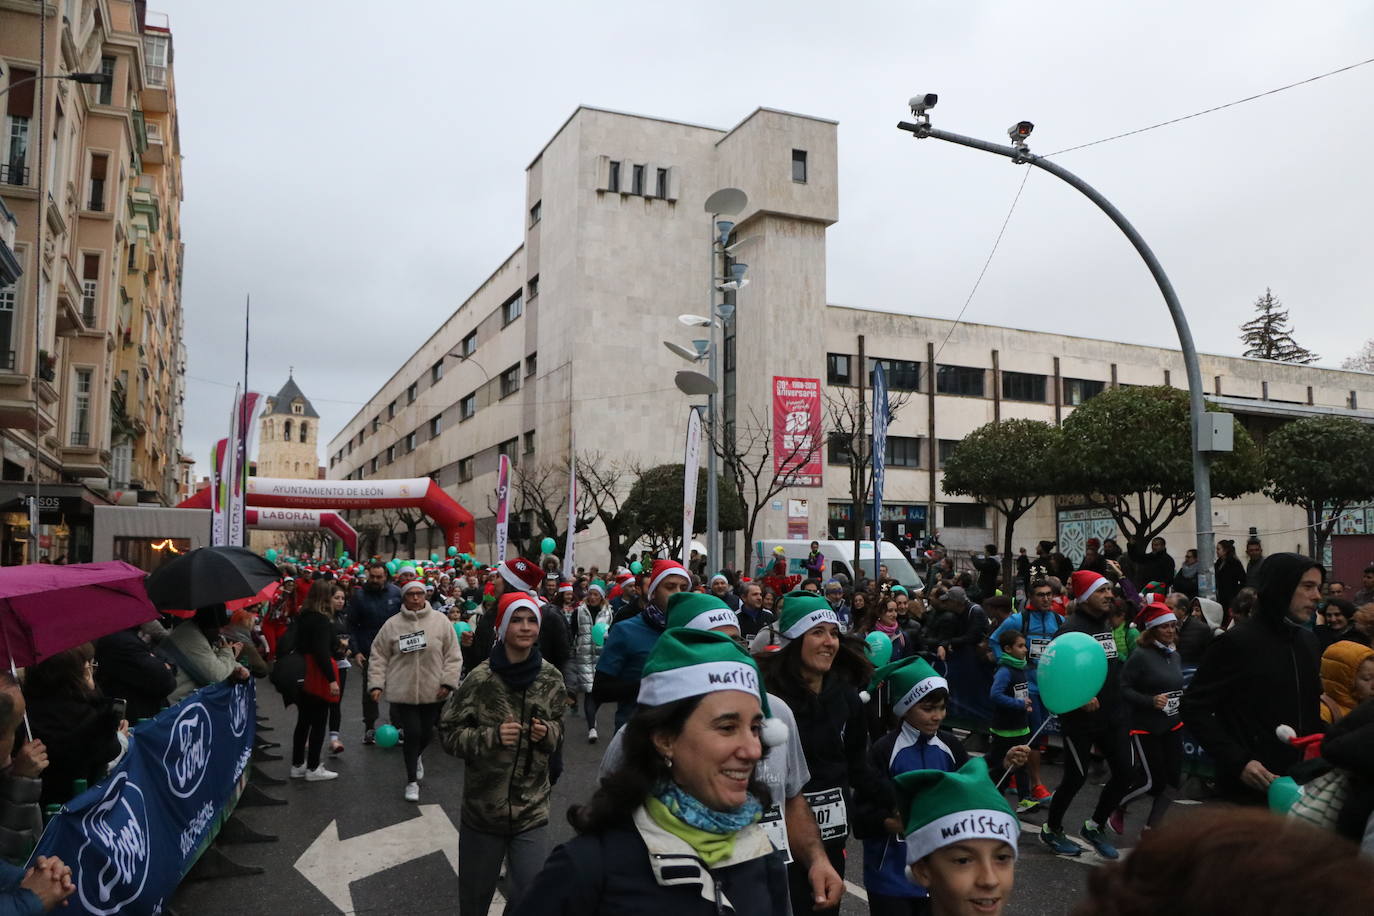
[(942, 809), (691, 663), (521, 574)]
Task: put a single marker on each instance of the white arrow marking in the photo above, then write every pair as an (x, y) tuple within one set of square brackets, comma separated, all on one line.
[(332, 865)]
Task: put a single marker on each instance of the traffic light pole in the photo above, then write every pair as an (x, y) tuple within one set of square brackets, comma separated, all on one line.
[(1202, 479)]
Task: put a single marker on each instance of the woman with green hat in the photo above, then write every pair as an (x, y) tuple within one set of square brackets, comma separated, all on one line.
[(819, 672), (675, 830)]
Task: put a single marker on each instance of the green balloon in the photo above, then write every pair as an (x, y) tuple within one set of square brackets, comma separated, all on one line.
[(434, 558), (271, 555), (1071, 672), (1283, 794), (548, 545), (453, 551), (387, 736), (878, 648), (391, 567), (636, 567), (461, 626), (599, 633)]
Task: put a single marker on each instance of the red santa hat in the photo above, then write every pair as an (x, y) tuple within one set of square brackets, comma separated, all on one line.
[(521, 574), (665, 569), (506, 607), (565, 587), (1084, 582), (1154, 614)]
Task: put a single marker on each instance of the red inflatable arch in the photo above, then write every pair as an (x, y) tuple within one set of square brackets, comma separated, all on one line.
[(421, 492), (305, 520)]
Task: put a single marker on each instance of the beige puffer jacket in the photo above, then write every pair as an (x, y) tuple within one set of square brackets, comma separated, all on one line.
[(414, 654)]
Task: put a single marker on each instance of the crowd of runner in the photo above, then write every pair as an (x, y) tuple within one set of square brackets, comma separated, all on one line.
[(760, 722)]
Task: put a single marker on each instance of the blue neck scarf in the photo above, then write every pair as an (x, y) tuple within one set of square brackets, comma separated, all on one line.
[(695, 814)]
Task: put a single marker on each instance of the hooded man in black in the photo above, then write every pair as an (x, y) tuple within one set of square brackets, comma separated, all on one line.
[(1261, 674)]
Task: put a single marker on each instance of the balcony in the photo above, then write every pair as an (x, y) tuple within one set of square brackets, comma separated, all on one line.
[(81, 440), (13, 173)]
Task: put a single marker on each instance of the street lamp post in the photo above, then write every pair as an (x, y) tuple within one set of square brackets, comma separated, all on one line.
[(93, 79), (1204, 436)]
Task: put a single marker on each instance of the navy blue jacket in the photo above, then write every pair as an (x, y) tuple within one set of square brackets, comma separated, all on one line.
[(366, 613)]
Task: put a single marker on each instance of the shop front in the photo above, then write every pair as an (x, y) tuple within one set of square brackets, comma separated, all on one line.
[(65, 519)]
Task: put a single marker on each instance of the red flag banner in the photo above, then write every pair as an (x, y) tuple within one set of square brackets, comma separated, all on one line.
[(797, 430)]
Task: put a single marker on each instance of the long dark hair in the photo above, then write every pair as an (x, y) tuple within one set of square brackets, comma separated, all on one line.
[(782, 670), (642, 769), (209, 619), (62, 675), (321, 597)]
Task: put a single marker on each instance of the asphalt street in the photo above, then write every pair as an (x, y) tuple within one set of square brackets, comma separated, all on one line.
[(353, 845)]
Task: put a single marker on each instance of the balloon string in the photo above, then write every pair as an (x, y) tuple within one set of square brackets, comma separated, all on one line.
[(1031, 740)]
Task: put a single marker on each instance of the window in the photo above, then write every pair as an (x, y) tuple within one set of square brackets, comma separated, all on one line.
[(100, 164), (436, 372), (90, 284), (1023, 386), (297, 407), (945, 449), (81, 414), (376, 422), (512, 309), (411, 390), (965, 515), (436, 425), (837, 369), (372, 465), (903, 452), (267, 430), (510, 381), (661, 183), (637, 180), (18, 112), (467, 407), (963, 380), (508, 448), (409, 442), (536, 212), (613, 176), (464, 469), (531, 364), (534, 286), (799, 165), (469, 345), (105, 91), (529, 442), (286, 430), (391, 411), (837, 448), (901, 374), (390, 454), (155, 51), (1078, 390), (305, 435)]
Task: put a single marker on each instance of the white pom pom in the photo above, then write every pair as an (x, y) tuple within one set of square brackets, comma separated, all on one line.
[(865, 696), (775, 732), (1285, 733)]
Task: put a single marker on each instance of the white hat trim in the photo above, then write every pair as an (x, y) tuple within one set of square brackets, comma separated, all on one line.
[(919, 690), (520, 604), (982, 824), (814, 619), (710, 620), (674, 570), (663, 687)]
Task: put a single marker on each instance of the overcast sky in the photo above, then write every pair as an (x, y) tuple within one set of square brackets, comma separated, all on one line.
[(358, 168)]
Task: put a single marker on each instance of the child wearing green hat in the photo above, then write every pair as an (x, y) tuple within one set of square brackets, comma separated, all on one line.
[(917, 744), (960, 839)]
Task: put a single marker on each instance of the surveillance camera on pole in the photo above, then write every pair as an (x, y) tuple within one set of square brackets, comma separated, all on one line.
[(921, 105), (1019, 132)]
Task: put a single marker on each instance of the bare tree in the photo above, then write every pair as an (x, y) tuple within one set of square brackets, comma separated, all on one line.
[(390, 522), (410, 518), (605, 484), (1363, 360), (758, 471), (849, 414), (539, 493)]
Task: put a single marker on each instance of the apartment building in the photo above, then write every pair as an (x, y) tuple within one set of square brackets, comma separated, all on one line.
[(91, 357), (566, 334)]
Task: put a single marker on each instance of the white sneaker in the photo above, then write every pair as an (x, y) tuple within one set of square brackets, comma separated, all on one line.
[(412, 791), (419, 769), (320, 774), (591, 736), (298, 772)]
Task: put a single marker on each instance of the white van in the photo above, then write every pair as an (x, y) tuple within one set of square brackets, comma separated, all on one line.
[(839, 559)]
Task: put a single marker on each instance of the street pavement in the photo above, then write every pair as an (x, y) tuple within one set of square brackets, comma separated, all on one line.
[(353, 845)]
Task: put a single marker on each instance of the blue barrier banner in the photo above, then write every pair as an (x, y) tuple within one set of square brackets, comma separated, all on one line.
[(131, 838)]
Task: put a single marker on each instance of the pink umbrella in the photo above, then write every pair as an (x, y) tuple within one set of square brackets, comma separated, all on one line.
[(47, 609)]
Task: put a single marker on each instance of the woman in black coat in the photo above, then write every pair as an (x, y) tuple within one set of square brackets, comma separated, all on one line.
[(129, 670), (78, 725), (1230, 574)]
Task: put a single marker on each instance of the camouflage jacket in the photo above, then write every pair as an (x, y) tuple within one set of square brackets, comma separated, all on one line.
[(505, 789)]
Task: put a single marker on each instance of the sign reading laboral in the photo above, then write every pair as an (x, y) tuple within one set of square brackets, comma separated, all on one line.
[(797, 430), (131, 838)]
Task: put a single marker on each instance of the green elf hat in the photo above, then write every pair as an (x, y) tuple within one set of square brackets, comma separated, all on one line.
[(947, 808), (700, 611), (691, 663), (802, 610), (911, 680)]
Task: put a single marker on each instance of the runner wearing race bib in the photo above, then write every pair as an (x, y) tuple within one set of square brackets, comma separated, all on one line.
[(1038, 622), (1152, 685)]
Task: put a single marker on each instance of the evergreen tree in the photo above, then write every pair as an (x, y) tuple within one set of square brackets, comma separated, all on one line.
[(1267, 336)]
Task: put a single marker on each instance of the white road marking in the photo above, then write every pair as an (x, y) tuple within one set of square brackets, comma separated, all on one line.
[(856, 890)]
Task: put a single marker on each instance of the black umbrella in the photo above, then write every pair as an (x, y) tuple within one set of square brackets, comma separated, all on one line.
[(210, 575)]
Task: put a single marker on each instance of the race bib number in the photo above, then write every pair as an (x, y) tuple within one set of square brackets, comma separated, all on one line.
[(832, 817), (1038, 645), (1108, 642), (1171, 701), (1021, 692), (776, 828), (413, 642)]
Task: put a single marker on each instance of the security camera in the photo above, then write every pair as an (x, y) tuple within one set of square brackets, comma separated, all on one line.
[(920, 104), (1020, 131)]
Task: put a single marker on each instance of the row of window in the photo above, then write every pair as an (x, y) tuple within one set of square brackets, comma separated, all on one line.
[(902, 451), (966, 381), (637, 183)]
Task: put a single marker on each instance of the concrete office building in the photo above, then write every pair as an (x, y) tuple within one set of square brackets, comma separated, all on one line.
[(566, 334)]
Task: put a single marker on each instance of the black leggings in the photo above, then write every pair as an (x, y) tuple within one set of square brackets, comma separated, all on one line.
[(417, 721), (800, 884), (1111, 741), (1160, 758), (998, 746), (312, 715), (336, 709)]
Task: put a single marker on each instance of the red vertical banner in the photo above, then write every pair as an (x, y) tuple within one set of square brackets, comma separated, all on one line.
[(797, 430)]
